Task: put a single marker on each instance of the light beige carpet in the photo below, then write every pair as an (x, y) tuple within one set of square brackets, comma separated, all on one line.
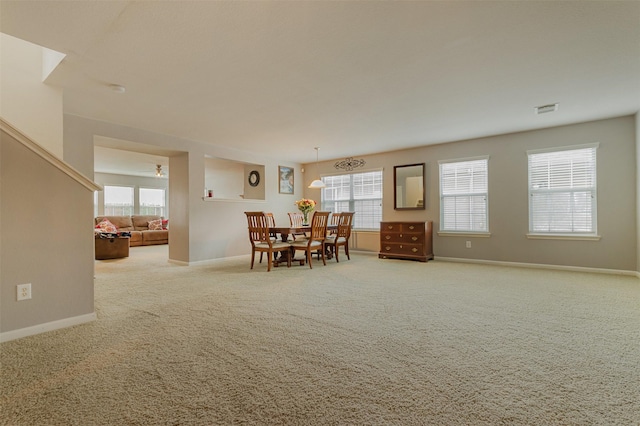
[(362, 342)]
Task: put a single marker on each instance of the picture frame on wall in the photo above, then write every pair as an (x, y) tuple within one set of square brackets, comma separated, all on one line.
[(285, 180)]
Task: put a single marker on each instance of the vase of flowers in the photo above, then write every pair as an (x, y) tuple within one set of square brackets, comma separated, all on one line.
[(306, 206)]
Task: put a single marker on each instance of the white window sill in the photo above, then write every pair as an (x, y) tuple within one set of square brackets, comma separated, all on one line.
[(464, 234), (576, 237), (236, 200)]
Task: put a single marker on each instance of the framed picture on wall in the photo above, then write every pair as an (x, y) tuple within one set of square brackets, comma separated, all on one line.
[(285, 179)]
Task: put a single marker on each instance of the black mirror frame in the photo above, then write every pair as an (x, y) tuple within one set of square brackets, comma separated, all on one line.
[(395, 186)]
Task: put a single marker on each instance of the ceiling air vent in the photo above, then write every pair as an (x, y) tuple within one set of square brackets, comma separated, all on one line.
[(546, 108)]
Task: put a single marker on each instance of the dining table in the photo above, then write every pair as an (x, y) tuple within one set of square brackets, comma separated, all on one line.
[(285, 231)]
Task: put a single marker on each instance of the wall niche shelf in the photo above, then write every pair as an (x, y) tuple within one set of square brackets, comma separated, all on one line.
[(232, 200)]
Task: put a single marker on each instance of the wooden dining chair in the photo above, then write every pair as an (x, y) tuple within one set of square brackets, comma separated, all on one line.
[(260, 238), (341, 237), (316, 238), (295, 220), (271, 222), (334, 220)]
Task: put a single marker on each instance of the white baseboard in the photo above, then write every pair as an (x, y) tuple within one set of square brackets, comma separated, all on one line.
[(541, 266), (352, 250), (200, 262), (178, 262), (48, 326)]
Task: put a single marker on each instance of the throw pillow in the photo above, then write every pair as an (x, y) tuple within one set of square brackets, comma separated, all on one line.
[(165, 223), (106, 226), (155, 225)]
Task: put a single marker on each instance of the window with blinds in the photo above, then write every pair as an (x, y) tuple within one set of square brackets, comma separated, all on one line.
[(355, 192), (463, 195), (562, 191), (152, 201), (118, 200)]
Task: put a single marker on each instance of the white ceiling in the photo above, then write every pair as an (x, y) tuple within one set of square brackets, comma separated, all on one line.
[(352, 77)]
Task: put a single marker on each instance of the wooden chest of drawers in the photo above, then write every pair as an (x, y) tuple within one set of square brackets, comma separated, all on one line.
[(406, 240)]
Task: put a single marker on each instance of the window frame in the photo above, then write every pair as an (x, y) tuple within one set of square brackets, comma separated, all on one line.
[(352, 201), (565, 234), (467, 231), (133, 202), (164, 206)]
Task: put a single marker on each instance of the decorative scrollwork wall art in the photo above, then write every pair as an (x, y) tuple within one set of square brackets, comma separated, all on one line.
[(349, 164)]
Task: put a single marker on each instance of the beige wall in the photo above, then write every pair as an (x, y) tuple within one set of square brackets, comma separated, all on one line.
[(216, 229), (508, 199), (25, 101), (637, 123), (44, 241), (200, 229), (254, 192)]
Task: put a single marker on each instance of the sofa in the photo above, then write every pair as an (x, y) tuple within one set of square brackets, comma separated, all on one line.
[(138, 227)]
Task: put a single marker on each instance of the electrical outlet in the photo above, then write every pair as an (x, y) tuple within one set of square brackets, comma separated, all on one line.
[(468, 244), (24, 291)]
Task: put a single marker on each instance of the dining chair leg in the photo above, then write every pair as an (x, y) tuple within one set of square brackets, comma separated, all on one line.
[(253, 257), (346, 250), (268, 261), (324, 259), (261, 253), (336, 251), (309, 257)]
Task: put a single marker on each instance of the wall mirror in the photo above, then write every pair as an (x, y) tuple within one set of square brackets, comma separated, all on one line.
[(408, 185)]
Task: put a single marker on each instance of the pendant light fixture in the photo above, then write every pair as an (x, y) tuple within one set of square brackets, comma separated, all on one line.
[(317, 184), (159, 172)]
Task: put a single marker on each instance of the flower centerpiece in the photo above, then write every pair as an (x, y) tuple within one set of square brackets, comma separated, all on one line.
[(305, 206)]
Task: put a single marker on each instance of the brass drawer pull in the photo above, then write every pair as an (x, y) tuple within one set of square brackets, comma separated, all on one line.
[(388, 237), (411, 227), (390, 226), (414, 238), (387, 248), (414, 249)]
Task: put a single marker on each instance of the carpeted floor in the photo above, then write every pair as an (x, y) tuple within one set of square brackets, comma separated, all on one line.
[(362, 342)]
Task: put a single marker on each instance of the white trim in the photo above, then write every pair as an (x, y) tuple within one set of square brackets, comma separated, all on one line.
[(379, 169), (563, 148), (48, 156), (541, 266), (47, 326), (178, 262), (365, 252), (232, 200), (593, 189), (441, 163), (576, 237), (462, 160), (463, 234), (205, 261)]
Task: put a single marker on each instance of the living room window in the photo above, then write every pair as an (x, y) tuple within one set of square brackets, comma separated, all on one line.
[(152, 201), (355, 192), (562, 191), (464, 195), (118, 200)]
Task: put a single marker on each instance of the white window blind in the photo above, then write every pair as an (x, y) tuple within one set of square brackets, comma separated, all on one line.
[(355, 192), (562, 191), (152, 201), (463, 196), (118, 200)]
